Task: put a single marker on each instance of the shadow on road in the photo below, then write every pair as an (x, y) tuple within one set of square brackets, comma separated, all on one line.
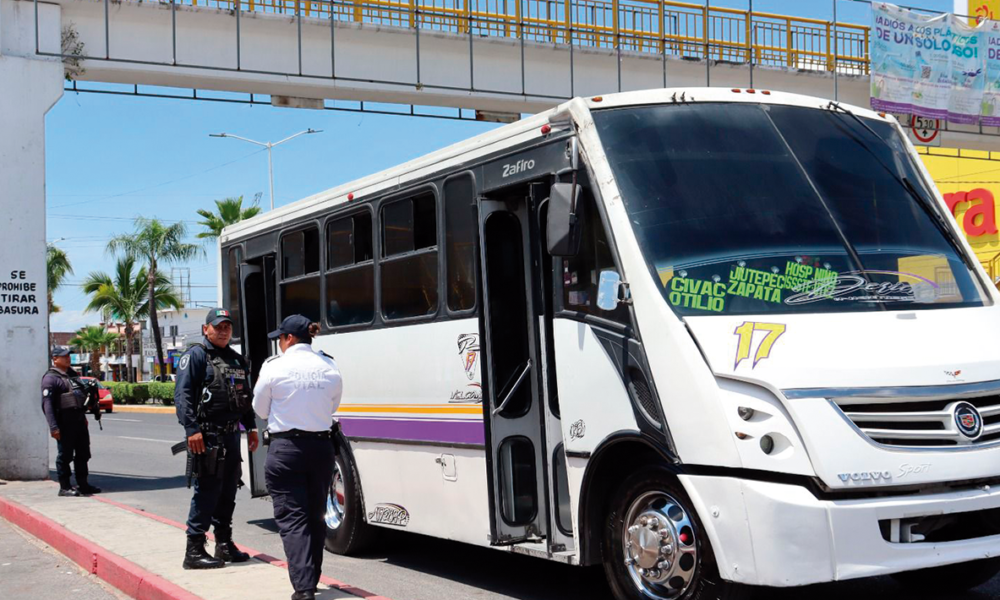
[(120, 482), (265, 524), (492, 570)]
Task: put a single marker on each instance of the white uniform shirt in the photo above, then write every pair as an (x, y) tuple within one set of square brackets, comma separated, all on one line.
[(299, 389)]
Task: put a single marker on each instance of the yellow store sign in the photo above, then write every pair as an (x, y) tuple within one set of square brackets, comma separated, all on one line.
[(970, 185), (983, 9)]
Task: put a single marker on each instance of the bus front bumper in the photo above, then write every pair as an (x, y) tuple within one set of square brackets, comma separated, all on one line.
[(781, 535)]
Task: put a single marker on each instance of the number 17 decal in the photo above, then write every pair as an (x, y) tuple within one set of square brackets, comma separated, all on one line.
[(746, 331)]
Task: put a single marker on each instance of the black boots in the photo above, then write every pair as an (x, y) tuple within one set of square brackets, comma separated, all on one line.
[(226, 551), (195, 557), (305, 595)]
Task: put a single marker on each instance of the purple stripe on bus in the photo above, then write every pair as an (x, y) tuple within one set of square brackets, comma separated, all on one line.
[(451, 432)]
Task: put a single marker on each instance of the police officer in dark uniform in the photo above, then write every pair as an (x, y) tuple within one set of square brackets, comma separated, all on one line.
[(298, 393), (213, 397), (64, 400)]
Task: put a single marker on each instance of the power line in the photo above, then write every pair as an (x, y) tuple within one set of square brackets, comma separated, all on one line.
[(160, 184)]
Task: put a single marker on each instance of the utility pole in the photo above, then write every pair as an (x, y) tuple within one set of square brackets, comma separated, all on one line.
[(268, 145)]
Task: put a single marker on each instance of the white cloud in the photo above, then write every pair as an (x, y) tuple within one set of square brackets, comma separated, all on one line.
[(72, 320)]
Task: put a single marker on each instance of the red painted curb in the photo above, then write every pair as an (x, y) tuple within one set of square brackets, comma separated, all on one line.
[(125, 575), (333, 583)]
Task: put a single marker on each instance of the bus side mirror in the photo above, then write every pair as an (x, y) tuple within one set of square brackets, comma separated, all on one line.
[(565, 220), (609, 293)]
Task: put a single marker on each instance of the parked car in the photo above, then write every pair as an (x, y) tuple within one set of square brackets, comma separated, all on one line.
[(106, 400)]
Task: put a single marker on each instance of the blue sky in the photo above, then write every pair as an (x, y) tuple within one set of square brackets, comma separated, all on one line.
[(110, 159)]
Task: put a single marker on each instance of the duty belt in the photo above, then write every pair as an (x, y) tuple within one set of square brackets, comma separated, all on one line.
[(230, 427), (298, 433)]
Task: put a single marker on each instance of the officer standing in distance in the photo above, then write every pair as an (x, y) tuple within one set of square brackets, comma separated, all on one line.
[(213, 398), (63, 402), (297, 393)]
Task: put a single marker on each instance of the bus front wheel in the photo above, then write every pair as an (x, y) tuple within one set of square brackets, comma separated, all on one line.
[(347, 532), (653, 544)]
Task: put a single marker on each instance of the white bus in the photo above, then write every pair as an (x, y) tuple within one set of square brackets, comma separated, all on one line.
[(708, 338)]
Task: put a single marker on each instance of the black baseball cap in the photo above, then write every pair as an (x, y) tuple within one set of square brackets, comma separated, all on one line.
[(218, 315), (60, 351), (296, 325)]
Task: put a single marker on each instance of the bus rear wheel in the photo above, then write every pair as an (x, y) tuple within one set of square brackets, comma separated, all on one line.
[(950, 578), (347, 533), (654, 547)]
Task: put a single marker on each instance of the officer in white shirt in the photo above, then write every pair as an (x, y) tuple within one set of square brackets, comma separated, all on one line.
[(297, 393)]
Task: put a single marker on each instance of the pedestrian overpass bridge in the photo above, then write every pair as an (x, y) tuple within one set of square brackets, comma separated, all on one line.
[(499, 57), (506, 56)]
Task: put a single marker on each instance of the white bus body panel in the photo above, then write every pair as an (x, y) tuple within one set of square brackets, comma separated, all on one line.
[(417, 386), (897, 349), (781, 535)]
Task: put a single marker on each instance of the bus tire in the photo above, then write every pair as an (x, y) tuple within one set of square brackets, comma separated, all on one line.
[(951, 579), (653, 544), (347, 533)]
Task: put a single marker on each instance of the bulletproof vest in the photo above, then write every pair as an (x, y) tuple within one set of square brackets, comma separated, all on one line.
[(75, 397), (229, 389)]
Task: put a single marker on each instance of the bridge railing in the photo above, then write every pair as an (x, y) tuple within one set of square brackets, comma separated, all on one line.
[(676, 29)]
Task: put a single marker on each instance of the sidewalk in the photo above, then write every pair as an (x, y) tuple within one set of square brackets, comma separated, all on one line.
[(29, 569), (140, 553)]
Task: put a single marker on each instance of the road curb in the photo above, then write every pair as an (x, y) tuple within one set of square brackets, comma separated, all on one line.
[(257, 554), (125, 575), (134, 408)]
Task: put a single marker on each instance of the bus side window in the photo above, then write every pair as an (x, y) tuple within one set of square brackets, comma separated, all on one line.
[(409, 265), (350, 276), (460, 228), (300, 274), (581, 273)]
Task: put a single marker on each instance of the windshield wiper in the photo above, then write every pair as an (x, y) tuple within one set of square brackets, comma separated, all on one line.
[(852, 252), (904, 181)]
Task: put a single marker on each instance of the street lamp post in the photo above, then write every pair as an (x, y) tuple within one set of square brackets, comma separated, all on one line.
[(268, 145)]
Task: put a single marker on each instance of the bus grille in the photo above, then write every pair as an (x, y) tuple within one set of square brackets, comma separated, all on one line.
[(922, 423)]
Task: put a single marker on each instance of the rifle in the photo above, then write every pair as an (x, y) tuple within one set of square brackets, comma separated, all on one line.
[(206, 464), (93, 393)]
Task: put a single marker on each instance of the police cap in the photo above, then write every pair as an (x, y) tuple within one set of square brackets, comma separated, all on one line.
[(296, 325), (218, 315)]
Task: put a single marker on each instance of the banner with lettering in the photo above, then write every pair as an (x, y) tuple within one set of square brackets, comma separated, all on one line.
[(932, 67), (991, 93)]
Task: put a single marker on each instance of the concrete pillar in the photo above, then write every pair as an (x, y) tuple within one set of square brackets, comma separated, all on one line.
[(28, 89)]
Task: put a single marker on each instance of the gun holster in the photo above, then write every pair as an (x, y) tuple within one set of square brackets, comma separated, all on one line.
[(207, 465)]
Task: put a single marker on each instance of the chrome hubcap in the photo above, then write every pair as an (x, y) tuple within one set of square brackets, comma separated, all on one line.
[(335, 500), (659, 544)]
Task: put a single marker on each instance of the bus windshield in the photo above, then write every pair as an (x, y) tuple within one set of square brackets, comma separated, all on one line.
[(756, 208)]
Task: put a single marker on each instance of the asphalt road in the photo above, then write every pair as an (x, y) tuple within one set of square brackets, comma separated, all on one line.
[(133, 465)]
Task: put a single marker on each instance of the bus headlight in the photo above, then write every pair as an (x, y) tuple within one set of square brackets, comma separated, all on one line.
[(766, 437)]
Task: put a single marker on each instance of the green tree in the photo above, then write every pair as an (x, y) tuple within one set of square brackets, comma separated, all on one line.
[(155, 242), (129, 297), (57, 267), (95, 340), (230, 211)]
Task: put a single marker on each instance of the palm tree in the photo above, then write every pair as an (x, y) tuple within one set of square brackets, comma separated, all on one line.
[(57, 267), (230, 211), (129, 298), (94, 339), (154, 241)]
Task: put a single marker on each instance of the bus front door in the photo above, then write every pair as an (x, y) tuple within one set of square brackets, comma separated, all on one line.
[(512, 376), (258, 313)]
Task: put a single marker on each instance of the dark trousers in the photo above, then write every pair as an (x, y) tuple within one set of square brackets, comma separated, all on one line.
[(298, 473), (214, 498), (73, 447)]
